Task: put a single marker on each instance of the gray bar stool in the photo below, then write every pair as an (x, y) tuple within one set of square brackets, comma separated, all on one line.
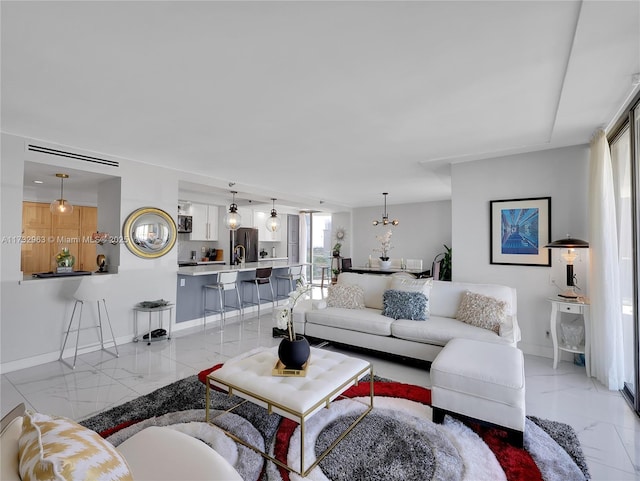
[(91, 289), (263, 276), (227, 281), (293, 276)]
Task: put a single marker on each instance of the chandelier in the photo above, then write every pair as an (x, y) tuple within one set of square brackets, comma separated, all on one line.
[(385, 217)]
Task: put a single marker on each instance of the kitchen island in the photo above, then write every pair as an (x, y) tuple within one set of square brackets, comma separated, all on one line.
[(192, 279)]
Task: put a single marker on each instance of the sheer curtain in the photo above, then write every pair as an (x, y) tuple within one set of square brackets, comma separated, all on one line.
[(302, 242), (607, 356)]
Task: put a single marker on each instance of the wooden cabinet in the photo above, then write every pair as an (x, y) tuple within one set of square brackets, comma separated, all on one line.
[(205, 222), (46, 234), (88, 225), (36, 232)]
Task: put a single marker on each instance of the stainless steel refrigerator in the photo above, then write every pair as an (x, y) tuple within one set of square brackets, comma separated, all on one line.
[(247, 237)]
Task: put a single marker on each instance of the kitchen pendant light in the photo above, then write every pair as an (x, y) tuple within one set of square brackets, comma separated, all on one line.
[(232, 219), (61, 206), (385, 217), (273, 222)]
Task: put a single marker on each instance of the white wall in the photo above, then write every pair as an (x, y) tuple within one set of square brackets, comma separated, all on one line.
[(34, 313), (423, 229), (560, 174)]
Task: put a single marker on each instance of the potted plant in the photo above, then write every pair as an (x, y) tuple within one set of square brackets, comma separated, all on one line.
[(445, 265), (385, 247), (336, 249)]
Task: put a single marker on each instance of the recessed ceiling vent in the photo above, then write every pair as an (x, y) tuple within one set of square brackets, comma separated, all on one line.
[(72, 155)]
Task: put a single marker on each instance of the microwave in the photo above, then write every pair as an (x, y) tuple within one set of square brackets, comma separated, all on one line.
[(185, 224)]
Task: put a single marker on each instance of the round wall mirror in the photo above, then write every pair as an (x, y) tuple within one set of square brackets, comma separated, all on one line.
[(149, 232)]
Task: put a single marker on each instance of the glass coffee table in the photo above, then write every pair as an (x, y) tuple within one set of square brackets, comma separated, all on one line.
[(328, 375)]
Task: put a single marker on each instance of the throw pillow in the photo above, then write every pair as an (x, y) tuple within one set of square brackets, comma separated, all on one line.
[(414, 285), (404, 305), (482, 311), (346, 296), (56, 448)]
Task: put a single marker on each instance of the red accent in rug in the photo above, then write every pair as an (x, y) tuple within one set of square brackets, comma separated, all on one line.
[(202, 375)]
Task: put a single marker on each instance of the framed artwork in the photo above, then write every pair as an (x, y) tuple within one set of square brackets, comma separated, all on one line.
[(520, 228)]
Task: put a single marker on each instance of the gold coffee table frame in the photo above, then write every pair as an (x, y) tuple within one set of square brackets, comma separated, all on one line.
[(301, 417)]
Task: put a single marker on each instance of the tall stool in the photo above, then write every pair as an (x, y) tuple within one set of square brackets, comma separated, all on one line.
[(263, 276), (227, 281), (91, 289), (293, 276)]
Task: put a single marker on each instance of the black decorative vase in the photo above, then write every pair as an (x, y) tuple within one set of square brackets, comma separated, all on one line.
[(293, 354)]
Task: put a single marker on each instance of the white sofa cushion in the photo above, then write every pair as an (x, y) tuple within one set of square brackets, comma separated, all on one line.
[(163, 454), (363, 320), (372, 285), (440, 330), (446, 296)]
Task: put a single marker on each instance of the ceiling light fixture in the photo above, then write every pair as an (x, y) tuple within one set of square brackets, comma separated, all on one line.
[(232, 219), (273, 222), (385, 217), (61, 206)]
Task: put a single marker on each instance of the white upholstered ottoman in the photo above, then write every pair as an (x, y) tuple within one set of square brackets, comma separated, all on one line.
[(482, 381)]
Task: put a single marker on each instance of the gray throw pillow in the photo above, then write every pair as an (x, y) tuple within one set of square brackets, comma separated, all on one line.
[(405, 305)]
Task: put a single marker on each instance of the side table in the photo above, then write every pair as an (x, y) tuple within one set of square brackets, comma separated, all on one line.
[(558, 306), (150, 310)]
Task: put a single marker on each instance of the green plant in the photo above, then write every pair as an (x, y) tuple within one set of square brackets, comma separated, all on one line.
[(335, 272), (445, 266), (337, 247)]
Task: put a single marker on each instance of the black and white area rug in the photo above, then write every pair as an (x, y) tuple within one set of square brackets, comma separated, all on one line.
[(396, 441)]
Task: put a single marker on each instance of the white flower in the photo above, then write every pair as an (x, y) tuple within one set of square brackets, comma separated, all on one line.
[(385, 243), (284, 315), (282, 318)]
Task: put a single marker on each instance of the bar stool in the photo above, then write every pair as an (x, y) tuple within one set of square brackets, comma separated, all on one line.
[(91, 289), (227, 281), (263, 276), (293, 276), (325, 272)]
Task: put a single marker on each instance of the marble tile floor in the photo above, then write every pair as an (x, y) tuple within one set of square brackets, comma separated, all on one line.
[(608, 430)]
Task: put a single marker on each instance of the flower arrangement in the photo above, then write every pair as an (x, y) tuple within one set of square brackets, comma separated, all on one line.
[(284, 316), (385, 245)]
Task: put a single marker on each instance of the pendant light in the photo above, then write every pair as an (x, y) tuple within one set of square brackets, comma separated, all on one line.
[(273, 222), (61, 206), (232, 219), (385, 217)]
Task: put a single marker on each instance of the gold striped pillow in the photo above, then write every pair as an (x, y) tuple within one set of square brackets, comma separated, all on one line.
[(56, 448)]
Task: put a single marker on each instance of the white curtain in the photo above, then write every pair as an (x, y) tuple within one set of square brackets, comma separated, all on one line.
[(607, 359), (302, 239)]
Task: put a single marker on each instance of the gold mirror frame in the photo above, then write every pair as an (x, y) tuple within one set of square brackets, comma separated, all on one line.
[(150, 232)]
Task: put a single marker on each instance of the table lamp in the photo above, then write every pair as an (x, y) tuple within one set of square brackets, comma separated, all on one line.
[(570, 255)]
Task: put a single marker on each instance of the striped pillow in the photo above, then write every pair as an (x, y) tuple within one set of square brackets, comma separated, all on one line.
[(56, 448)]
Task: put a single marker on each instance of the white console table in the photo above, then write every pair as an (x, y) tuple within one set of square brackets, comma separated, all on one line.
[(558, 306)]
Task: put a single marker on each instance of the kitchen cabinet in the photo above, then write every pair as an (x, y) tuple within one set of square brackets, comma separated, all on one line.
[(205, 222), (260, 222), (46, 234)]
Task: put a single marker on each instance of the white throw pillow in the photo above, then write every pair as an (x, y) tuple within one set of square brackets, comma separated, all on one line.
[(345, 296), (482, 311)]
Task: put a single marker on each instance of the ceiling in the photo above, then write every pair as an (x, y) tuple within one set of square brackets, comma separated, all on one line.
[(310, 102)]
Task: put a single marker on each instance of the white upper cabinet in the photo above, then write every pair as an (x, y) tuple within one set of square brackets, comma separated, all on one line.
[(205, 222)]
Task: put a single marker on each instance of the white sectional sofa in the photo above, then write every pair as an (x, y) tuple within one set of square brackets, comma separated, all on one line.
[(368, 328)]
